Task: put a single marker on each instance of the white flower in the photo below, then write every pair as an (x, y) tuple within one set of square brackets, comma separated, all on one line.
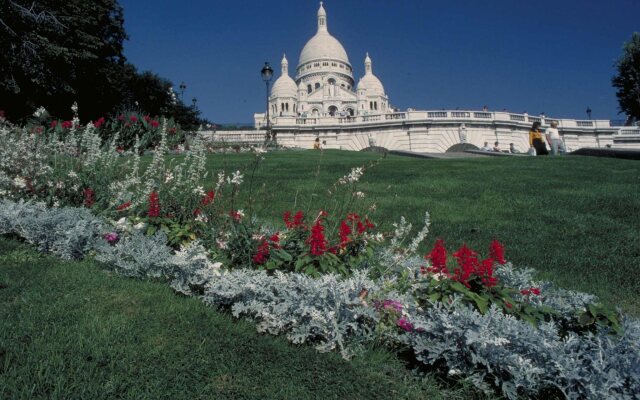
[(222, 244), (40, 112), (259, 150), (439, 276), (199, 190), (72, 174), (74, 107), (202, 218), (60, 185), (56, 204), (236, 178), (358, 195), (353, 176), (140, 226), (19, 182), (122, 221), (168, 177), (75, 188), (454, 372), (220, 180), (240, 213)]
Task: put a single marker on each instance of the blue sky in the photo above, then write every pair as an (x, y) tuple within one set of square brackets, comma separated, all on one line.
[(537, 56)]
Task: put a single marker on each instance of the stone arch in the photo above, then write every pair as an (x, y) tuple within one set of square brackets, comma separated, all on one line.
[(333, 110), (315, 112)]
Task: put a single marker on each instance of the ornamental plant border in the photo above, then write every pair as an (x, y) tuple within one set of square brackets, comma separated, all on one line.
[(494, 350)]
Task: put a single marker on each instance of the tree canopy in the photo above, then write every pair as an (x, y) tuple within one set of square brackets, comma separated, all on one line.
[(627, 80), (53, 53)]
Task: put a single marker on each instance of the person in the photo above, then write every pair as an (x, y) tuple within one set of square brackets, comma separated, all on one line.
[(512, 149), (496, 147), (323, 145), (486, 147), (316, 144), (536, 140), (553, 138), (485, 108)]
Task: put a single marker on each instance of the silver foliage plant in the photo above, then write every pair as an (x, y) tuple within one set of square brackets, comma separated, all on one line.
[(494, 351), (326, 312), (66, 232)]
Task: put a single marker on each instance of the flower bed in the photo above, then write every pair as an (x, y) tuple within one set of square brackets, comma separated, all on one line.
[(328, 279)]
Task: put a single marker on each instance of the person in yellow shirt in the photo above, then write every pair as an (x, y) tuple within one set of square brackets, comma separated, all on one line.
[(536, 140)]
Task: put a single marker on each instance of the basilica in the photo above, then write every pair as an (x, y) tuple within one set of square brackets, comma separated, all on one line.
[(324, 84)]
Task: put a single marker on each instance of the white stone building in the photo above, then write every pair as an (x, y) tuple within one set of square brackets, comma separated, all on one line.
[(323, 104), (324, 85)]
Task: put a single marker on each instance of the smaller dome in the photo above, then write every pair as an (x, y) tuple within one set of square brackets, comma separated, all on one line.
[(372, 85), (284, 87), (369, 81)]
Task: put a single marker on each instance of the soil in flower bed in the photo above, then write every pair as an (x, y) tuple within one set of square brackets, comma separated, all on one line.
[(73, 330)]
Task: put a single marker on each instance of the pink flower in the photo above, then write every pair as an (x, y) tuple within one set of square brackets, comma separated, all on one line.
[(392, 305), (111, 237), (67, 124), (154, 123), (54, 123), (405, 324), (99, 122), (133, 118)]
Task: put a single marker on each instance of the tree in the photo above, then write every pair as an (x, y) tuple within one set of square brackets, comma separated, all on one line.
[(627, 81), (55, 52)]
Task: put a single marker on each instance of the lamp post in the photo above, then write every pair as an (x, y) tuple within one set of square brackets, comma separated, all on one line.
[(267, 74), (182, 88), (589, 112)]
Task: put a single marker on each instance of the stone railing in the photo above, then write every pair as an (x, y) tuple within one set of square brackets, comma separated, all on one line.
[(464, 116)]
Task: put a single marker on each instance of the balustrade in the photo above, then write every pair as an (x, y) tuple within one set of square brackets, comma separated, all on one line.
[(437, 114)]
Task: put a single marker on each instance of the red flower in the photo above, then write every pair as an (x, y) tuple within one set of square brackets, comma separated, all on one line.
[(54, 123), (99, 122), (235, 215), (345, 231), (67, 124), (509, 306), (438, 257), (120, 149), (317, 241), (275, 240), (208, 198), (154, 205), (263, 253), (197, 212), (535, 291), (123, 206), (467, 263), (147, 118), (525, 292), (133, 118), (298, 220), (496, 251), (154, 123), (88, 197)]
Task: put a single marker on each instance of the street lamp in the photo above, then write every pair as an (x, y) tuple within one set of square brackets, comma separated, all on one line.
[(267, 74), (589, 112), (182, 88)]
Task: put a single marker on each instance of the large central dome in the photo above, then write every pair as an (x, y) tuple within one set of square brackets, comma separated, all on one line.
[(323, 46)]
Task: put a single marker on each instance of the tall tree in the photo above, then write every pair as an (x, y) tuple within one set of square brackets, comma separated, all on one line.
[(627, 81), (55, 52)]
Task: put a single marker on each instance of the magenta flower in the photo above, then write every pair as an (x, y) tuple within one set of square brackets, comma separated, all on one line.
[(111, 237), (392, 305), (405, 324)]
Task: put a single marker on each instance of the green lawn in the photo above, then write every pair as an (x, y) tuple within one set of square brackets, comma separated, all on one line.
[(70, 330), (574, 219)]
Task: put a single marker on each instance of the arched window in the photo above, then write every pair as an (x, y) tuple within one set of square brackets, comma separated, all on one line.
[(375, 105), (281, 106), (317, 85), (287, 106), (333, 110), (371, 105), (309, 89), (331, 81)]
